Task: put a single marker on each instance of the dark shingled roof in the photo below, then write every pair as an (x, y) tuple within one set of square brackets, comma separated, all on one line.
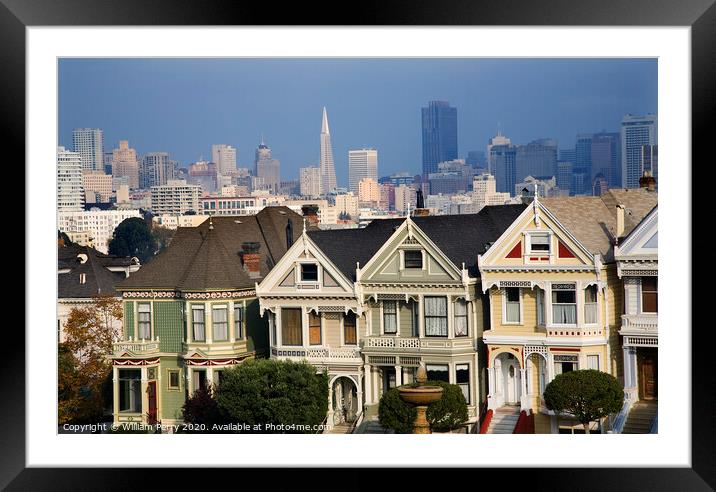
[(98, 279), (460, 237), (200, 258)]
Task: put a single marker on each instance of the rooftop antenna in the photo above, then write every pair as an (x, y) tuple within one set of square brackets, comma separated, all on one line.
[(211, 224)]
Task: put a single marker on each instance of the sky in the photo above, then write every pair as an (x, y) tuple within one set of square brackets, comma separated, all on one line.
[(183, 106)]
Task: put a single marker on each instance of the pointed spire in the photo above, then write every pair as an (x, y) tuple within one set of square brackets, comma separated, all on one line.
[(324, 124), (262, 139)]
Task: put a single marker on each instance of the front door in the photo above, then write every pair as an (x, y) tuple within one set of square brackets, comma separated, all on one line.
[(647, 376), (152, 397)]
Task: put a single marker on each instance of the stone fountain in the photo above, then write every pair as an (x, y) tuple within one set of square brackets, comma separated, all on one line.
[(421, 396)]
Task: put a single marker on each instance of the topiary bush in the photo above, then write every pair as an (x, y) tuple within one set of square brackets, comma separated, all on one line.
[(444, 415)]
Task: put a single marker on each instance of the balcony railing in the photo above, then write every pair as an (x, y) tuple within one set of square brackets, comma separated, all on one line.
[(408, 344), (640, 324), (318, 353), (137, 346)]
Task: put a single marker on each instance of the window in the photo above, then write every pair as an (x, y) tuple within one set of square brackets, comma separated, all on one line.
[(539, 243), (436, 316), (564, 304), (130, 390), (438, 372), (291, 326), (413, 258), (145, 323), (460, 318), (173, 379), (462, 378), (198, 323), (220, 323), (512, 305), (390, 317), (540, 307), (314, 328), (415, 317), (350, 334), (199, 379), (239, 322), (649, 294), (590, 305), (564, 363), (593, 362), (309, 272)]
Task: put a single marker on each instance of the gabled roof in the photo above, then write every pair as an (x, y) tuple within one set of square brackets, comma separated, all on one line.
[(460, 237), (98, 279), (207, 257)]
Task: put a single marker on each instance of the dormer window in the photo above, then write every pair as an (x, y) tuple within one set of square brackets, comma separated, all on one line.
[(413, 258), (309, 272), (539, 243)]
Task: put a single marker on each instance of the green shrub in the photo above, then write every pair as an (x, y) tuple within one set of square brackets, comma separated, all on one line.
[(444, 415), (201, 409)]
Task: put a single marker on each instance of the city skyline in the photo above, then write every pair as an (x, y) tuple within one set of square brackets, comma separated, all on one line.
[(528, 98)]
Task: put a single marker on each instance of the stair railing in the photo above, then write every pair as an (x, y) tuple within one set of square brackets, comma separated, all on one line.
[(654, 425), (620, 419)]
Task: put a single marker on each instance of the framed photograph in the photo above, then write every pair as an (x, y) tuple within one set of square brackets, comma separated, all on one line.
[(435, 218)]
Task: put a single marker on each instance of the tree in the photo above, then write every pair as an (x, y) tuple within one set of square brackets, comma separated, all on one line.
[(132, 237), (83, 363), (63, 240), (446, 414), (201, 409), (587, 394), (162, 237), (270, 391)]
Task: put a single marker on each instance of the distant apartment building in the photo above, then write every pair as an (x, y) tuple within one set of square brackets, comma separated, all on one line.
[(70, 195), (230, 205), (398, 179), (310, 178), (439, 135), (543, 186), (95, 226), (361, 164), (347, 204), (97, 186), (174, 221), (203, 174), (387, 196), (405, 198), (452, 177), (156, 169), (636, 131), (369, 192), (224, 156), (176, 197), (484, 192), (125, 163), (89, 144)]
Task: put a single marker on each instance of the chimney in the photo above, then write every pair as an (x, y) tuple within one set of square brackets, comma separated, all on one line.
[(311, 214), (647, 181), (620, 221), (251, 258)]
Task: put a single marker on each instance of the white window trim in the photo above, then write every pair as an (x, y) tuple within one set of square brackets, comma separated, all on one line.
[(423, 262), (308, 329), (169, 379), (528, 243), (397, 320), (584, 306), (228, 326), (343, 330), (299, 277), (136, 319), (467, 317), (190, 331), (504, 308), (577, 307)]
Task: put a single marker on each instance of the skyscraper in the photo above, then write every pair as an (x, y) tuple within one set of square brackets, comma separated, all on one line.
[(498, 139), (582, 169), (536, 159), (605, 158), (267, 168), (224, 156), (361, 164), (70, 193), (310, 181), (156, 169), (328, 170), (125, 163), (636, 131), (503, 159), (439, 123), (89, 143)]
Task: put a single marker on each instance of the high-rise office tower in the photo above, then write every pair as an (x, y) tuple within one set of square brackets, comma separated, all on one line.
[(156, 169), (224, 156), (328, 170), (636, 131), (70, 193), (310, 181), (582, 169), (650, 161), (605, 162), (439, 124), (498, 139), (503, 159), (125, 163), (89, 143), (361, 164), (537, 159), (267, 168)]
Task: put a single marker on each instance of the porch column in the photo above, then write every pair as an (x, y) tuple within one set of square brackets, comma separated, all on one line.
[(115, 392), (524, 398), (188, 381), (398, 376), (209, 376), (145, 395), (491, 388), (359, 393), (368, 384)]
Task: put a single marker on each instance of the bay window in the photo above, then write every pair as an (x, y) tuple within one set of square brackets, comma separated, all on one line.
[(390, 317), (239, 322), (436, 316), (438, 372), (460, 318), (198, 323), (564, 304), (590, 305), (144, 312), (540, 307), (462, 379), (649, 294), (350, 333), (512, 305), (220, 323), (291, 326), (314, 328)]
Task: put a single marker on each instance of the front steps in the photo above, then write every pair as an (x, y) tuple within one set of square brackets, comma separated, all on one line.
[(504, 420), (640, 417), (344, 428)]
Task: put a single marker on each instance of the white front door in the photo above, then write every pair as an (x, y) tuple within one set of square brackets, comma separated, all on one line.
[(512, 383)]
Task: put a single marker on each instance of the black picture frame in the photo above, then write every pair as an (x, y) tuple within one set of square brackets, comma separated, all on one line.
[(16, 15)]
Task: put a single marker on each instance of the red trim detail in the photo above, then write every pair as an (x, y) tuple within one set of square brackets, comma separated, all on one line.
[(564, 349), (525, 423), (516, 251), (486, 422), (564, 251)]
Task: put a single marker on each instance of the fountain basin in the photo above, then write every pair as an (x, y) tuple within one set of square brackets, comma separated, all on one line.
[(420, 395)]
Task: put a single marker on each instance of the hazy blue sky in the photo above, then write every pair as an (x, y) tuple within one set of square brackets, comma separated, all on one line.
[(182, 106)]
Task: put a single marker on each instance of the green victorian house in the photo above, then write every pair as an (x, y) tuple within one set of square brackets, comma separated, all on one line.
[(192, 312)]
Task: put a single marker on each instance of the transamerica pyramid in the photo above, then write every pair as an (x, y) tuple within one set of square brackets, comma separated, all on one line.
[(328, 170)]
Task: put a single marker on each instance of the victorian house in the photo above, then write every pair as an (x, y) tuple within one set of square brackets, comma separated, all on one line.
[(555, 298), (192, 312)]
